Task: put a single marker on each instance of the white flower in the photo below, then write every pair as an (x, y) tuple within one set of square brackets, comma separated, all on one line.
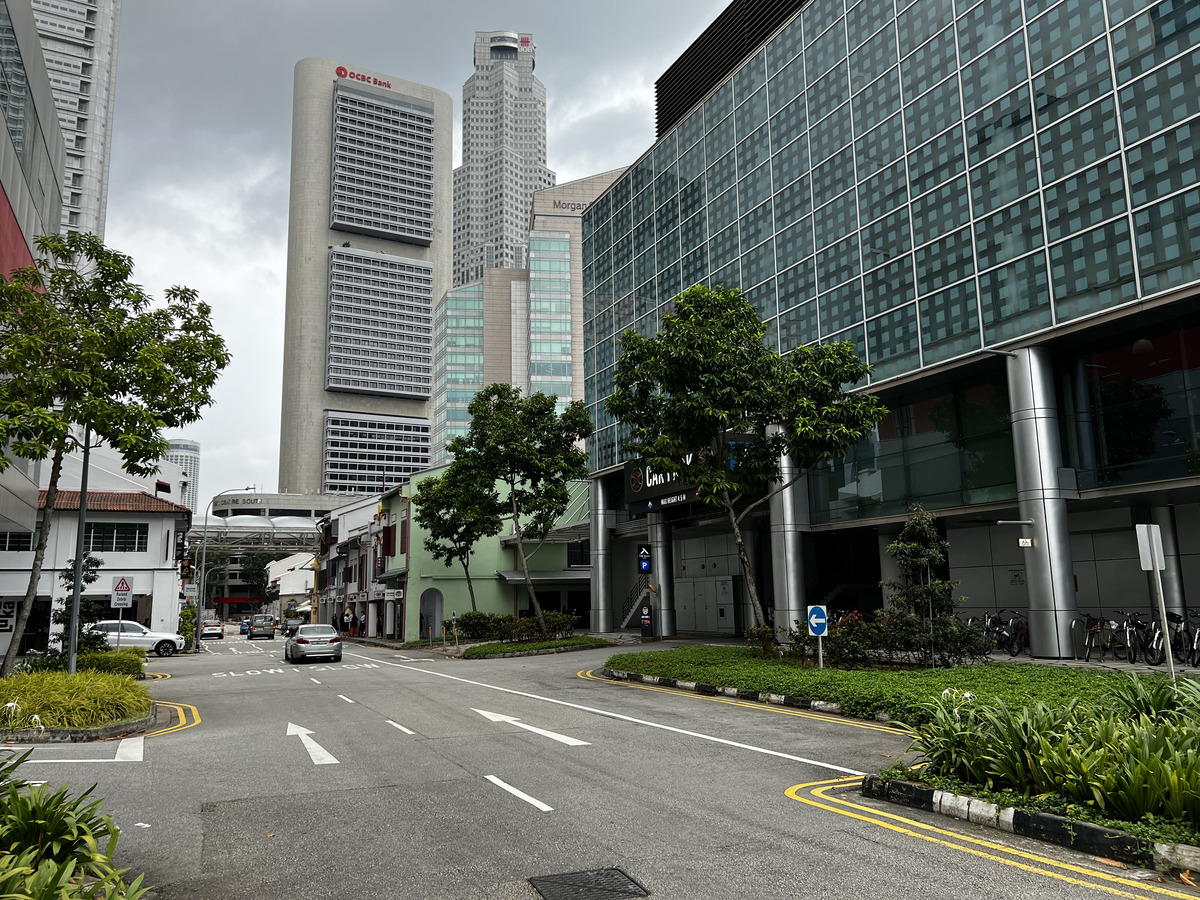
[(968, 697), (945, 693)]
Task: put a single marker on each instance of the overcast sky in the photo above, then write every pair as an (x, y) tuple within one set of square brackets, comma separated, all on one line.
[(198, 189)]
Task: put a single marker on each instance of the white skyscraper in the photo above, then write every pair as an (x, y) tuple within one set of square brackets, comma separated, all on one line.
[(79, 41), (503, 156), (186, 455), (368, 252)]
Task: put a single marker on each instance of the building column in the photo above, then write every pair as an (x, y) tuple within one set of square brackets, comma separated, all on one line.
[(1172, 576), (789, 519), (1037, 452), (658, 533), (889, 569), (601, 553)]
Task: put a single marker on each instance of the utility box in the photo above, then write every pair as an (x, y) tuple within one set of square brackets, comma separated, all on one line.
[(647, 620)]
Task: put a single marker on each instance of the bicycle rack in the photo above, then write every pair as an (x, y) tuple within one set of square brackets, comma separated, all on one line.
[(1078, 637)]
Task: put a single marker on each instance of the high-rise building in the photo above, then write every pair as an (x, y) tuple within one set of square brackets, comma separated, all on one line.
[(31, 165), (503, 156), (996, 204), (522, 327), (368, 251), (79, 41), (186, 455)]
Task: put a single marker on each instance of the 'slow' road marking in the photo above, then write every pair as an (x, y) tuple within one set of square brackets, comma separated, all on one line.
[(401, 727), (532, 801)]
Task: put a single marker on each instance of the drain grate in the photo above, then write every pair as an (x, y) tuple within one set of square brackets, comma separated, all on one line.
[(597, 884)]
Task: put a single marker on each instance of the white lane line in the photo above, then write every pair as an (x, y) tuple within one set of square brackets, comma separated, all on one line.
[(131, 749), (631, 719), (344, 697), (128, 750), (401, 727), (532, 801), (314, 681)]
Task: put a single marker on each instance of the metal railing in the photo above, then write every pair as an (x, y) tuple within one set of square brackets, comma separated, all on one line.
[(632, 598)]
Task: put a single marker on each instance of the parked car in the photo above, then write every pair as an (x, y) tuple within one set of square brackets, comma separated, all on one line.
[(212, 630), (131, 634), (290, 625), (245, 627), (261, 626), (313, 642)]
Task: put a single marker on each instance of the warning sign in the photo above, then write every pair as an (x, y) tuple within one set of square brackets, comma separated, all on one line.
[(122, 592)]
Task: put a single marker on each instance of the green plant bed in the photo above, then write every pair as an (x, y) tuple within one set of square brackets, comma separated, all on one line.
[(869, 693), (86, 699), (1150, 828), (479, 651)]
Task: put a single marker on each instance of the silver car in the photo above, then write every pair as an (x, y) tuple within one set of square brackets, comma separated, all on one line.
[(313, 642), (131, 634)]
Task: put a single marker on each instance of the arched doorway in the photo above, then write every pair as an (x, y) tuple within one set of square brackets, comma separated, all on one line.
[(431, 612)]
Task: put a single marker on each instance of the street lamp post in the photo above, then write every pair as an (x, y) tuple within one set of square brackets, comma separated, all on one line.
[(204, 562)]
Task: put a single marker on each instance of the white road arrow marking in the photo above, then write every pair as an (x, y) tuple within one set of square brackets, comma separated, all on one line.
[(561, 738), (533, 801), (320, 756)]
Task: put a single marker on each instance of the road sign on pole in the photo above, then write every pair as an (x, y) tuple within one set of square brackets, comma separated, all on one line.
[(818, 627), (122, 592)]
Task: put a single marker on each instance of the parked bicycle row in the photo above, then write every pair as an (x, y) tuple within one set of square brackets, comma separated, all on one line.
[(1138, 637)]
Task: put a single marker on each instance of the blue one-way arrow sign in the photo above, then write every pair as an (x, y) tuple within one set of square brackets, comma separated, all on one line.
[(818, 621)]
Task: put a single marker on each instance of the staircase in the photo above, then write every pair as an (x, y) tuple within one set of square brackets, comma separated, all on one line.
[(640, 588)]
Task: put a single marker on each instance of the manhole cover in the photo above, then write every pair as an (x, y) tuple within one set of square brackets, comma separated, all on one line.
[(598, 884)]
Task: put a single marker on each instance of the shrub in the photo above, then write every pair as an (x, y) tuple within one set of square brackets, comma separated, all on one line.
[(23, 878), (83, 700), (58, 827), (129, 661)]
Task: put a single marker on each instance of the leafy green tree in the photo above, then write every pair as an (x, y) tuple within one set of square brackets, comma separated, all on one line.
[(85, 347), (90, 609), (254, 572), (921, 555), (527, 449), (707, 399), (457, 509)]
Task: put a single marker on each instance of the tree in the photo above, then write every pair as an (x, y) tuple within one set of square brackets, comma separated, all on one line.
[(85, 346), (456, 510), (90, 609), (254, 572), (921, 555), (528, 448), (705, 398)]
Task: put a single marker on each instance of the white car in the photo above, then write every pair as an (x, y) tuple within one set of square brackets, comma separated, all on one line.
[(212, 630), (131, 634)]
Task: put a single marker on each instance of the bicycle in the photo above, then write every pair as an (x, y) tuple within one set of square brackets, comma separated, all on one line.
[(1137, 633), (1104, 635), (1195, 658), (1018, 628)]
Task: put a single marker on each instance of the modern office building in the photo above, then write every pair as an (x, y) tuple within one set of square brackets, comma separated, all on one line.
[(368, 252), (522, 327), (186, 455), (503, 156), (79, 41), (996, 203), (31, 165)]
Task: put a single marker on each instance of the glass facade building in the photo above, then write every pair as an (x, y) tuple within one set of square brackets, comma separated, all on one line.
[(997, 202), (550, 309), (458, 340), (922, 179)]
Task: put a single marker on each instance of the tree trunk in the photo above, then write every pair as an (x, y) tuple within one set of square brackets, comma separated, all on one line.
[(35, 573), (744, 558), (537, 607), (470, 584)]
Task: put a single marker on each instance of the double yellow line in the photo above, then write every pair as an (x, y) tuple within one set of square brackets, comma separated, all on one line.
[(188, 716), (817, 793)]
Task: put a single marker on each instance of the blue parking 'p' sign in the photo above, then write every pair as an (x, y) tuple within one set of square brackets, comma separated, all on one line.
[(818, 621)]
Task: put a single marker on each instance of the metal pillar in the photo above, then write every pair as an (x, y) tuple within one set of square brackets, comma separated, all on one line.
[(658, 532), (601, 553), (789, 519), (1172, 576), (1037, 454)]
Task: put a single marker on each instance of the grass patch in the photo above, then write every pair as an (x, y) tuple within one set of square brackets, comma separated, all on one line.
[(868, 693), (83, 700), (479, 651)]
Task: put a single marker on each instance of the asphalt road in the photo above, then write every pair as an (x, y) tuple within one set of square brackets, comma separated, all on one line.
[(402, 775)]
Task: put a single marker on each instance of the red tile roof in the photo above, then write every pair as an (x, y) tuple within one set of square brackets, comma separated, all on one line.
[(114, 501)]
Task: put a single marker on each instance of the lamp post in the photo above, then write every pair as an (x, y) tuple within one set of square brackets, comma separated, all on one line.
[(204, 562)]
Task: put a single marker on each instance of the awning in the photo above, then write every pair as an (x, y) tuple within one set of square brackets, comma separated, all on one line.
[(554, 576)]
